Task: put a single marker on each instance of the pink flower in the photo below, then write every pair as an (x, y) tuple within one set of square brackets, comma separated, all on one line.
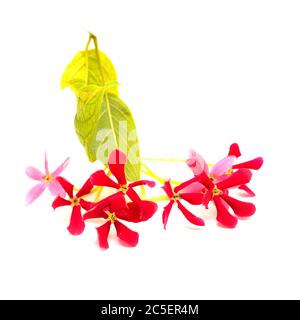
[(46, 180), (224, 167)]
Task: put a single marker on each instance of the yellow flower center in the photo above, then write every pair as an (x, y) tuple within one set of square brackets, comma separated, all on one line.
[(47, 179), (75, 202), (111, 217), (229, 171), (211, 177), (176, 197), (216, 191), (124, 188)]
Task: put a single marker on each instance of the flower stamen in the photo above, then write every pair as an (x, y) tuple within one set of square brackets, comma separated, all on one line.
[(216, 192), (124, 188), (111, 217), (47, 179)]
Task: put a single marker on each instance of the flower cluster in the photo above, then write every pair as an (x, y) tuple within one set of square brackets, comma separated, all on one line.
[(208, 185)]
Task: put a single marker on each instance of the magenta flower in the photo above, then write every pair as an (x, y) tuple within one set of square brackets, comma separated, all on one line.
[(46, 180)]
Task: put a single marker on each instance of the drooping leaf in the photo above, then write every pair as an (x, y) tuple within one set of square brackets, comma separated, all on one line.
[(84, 70), (104, 123)]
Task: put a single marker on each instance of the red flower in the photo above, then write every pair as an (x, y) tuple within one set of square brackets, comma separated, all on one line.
[(218, 193), (113, 209), (254, 164), (116, 164), (76, 225), (189, 191)]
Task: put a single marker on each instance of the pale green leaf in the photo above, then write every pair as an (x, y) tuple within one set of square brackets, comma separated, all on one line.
[(104, 123)]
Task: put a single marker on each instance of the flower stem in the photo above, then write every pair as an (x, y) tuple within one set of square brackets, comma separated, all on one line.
[(159, 198), (163, 160), (153, 175)]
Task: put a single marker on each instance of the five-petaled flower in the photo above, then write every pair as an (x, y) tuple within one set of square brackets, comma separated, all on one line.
[(46, 180), (218, 193), (113, 209), (116, 164), (189, 191), (224, 167), (76, 226)]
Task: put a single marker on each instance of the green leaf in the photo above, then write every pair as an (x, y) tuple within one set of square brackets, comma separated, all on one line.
[(103, 123), (84, 70)]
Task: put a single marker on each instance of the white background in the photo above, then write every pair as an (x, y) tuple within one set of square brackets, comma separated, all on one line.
[(199, 74)]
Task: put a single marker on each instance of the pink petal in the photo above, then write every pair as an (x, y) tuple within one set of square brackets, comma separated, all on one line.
[(223, 215), (56, 189), (76, 226), (253, 164), (85, 189), (67, 186), (103, 232), (234, 150), (126, 235), (46, 164), (60, 202), (245, 188), (189, 216), (196, 163), (34, 193), (100, 178), (34, 173), (193, 193), (219, 169), (166, 213), (61, 168), (116, 163)]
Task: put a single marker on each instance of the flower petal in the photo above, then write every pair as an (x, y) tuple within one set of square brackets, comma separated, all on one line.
[(126, 235), (223, 215), (204, 179), (56, 189), (46, 164), (189, 216), (234, 150), (100, 178), (103, 233), (116, 164), (60, 202), (76, 226), (34, 173), (166, 213), (118, 204), (240, 208), (242, 176), (95, 213), (34, 193), (253, 164), (67, 186), (85, 189), (139, 212), (133, 195), (149, 183), (86, 205), (245, 188), (219, 169), (185, 184), (193, 193), (196, 163), (168, 189), (61, 168)]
